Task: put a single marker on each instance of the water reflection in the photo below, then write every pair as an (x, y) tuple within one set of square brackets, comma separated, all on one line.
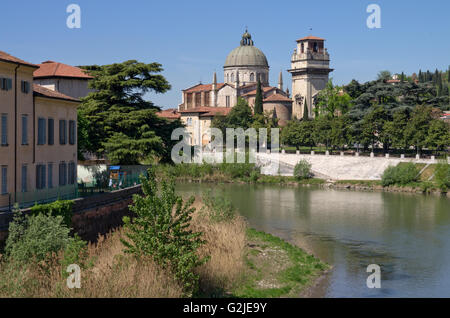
[(408, 235)]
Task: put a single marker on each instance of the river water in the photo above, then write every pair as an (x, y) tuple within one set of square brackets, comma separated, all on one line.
[(407, 235)]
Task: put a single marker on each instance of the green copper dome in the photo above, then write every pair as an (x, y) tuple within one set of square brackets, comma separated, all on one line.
[(246, 54)]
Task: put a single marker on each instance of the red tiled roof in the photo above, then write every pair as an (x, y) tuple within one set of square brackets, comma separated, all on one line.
[(55, 69), (264, 89), (208, 111), (277, 98), (311, 37), (45, 92), (203, 87), (9, 58), (171, 113)]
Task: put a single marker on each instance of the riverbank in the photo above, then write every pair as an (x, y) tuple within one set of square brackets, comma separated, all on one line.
[(249, 174), (242, 263)]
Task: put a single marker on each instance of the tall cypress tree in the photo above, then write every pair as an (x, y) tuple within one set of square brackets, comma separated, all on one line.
[(259, 99), (305, 111)]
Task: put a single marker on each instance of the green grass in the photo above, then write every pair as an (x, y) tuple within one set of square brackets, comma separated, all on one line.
[(276, 268)]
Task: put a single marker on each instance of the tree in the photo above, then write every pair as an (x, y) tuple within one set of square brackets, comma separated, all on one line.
[(332, 100), (372, 126), (161, 230), (384, 75), (122, 125), (322, 131), (417, 129), (394, 130), (259, 99), (305, 111), (84, 142), (240, 115), (438, 136), (340, 134), (298, 133)]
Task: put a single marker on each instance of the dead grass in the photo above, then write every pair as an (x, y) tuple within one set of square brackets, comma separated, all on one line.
[(108, 272)]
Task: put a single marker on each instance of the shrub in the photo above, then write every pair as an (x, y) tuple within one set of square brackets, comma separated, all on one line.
[(400, 175), (36, 237), (57, 208), (442, 176), (219, 207), (302, 170), (161, 230)]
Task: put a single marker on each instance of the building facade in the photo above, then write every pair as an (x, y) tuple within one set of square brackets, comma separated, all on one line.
[(38, 142), (66, 79)]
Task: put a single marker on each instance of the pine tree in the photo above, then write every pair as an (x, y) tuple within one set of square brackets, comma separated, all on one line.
[(259, 99), (402, 78), (420, 76)]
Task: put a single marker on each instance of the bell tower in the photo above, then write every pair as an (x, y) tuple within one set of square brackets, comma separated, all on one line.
[(310, 69)]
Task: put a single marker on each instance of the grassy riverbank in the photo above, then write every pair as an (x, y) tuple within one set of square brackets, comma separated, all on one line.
[(248, 173), (241, 263)]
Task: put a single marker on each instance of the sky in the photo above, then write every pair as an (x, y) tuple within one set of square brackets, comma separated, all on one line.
[(192, 39)]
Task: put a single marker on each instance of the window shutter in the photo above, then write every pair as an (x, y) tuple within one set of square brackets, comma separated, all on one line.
[(51, 131), (4, 180), (4, 129), (24, 130), (50, 176)]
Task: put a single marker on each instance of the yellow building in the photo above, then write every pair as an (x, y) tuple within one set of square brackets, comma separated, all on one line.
[(38, 138)]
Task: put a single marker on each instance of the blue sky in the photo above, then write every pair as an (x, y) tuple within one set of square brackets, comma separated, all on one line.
[(192, 38)]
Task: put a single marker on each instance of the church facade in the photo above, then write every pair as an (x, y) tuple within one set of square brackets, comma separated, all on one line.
[(243, 68)]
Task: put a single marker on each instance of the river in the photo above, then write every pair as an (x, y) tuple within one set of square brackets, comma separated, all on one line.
[(407, 235)]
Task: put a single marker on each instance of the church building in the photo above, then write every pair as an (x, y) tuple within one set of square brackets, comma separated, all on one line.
[(243, 67)]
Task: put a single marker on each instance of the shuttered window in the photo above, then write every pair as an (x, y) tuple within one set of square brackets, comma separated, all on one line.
[(62, 174), (72, 132), (25, 87), (51, 131), (41, 131), (4, 124), (4, 176), (24, 178), (50, 175), (40, 176), (72, 173), (62, 132), (24, 130), (5, 84)]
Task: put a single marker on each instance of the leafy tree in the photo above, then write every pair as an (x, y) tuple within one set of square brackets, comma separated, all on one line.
[(161, 229), (372, 126), (259, 99), (84, 142), (394, 130), (322, 131), (417, 129), (298, 133), (438, 136), (331, 100), (117, 112), (302, 170), (340, 131), (384, 75)]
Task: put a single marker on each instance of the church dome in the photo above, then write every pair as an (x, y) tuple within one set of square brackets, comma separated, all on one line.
[(246, 54)]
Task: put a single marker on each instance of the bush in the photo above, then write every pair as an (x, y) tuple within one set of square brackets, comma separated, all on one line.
[(36, 237), (219, 207), (442, 176), (402, 174), (57, 208), (161, 229), (302, 170)]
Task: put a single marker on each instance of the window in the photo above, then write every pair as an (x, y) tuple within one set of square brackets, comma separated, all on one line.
[(24, 129), (40, 176), (316, 47), (62, 132), (232, 77), (207, 99), (189, 121), (41, 131), (303, 47), (5, 84), (4, 124), (227, 101), (51, 131), (50, 175), (62, 174), (4, 188), (252, 77), (25, 87), (72, 173), (72, 132), (24, 178)]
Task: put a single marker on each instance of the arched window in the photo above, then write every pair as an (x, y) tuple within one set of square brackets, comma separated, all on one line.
[(252, 77), (232, 77), (228, 77), (303, 47), (316, 47)]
